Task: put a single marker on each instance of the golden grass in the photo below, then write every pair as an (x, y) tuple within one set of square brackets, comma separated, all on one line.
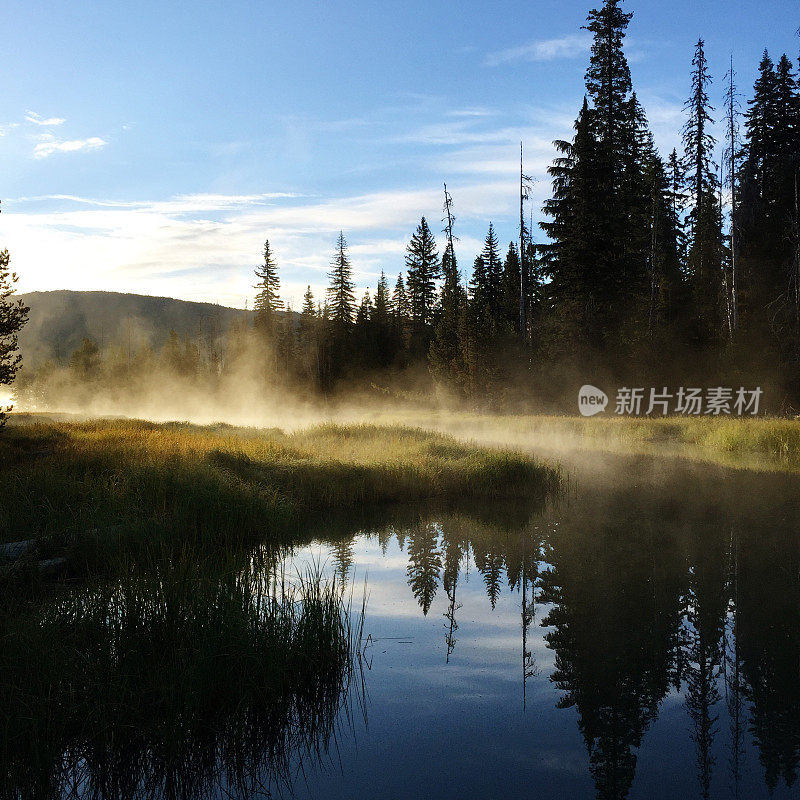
[(749, 442), (64, 480)]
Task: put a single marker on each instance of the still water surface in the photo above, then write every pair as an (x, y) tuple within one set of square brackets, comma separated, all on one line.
[(638, 638)]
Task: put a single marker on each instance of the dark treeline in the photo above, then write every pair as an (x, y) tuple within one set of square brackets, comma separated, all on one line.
[(681, 258), (656, 269)]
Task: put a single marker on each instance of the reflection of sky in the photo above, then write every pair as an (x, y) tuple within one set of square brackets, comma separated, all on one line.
[(458, 729), (452, 729)]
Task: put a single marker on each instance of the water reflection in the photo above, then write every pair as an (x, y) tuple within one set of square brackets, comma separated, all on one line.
[(675, 593), (179, 681), (639, 638)]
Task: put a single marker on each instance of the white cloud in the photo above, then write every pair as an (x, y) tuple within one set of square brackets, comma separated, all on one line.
[(48, 145), (204, 247), (37, 119), (570, 46)]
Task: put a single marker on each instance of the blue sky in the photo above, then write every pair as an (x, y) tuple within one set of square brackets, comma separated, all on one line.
[(151, 147)]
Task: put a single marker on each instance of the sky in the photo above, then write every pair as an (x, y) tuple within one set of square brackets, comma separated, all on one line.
[(152, 147)]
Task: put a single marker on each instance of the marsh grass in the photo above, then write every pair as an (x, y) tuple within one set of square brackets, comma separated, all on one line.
[(752, 443), (175, 682), (104, 484)]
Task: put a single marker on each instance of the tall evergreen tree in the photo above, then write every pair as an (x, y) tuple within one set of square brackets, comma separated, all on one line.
[(446, 355), (383, 324), (422, 263), (510, 289), (341, 291), (401, 313), (676, 199), (570, 259), (364, 334), (308, 311), (600, 244), (608, 82), (267, 301), (488, 283), (338, 317), (705, 256), (308, 339)]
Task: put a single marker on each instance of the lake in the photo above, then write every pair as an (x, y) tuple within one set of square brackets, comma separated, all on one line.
[(636, 637), (639, 637)]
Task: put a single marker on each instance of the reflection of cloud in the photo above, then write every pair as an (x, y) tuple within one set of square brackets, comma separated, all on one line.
[(48, 145), (570, 46)]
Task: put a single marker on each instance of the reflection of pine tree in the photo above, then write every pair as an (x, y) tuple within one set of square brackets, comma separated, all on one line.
[(613, 617), (455, 547), (768, 633), (702, 696), (400, 535), (735, 687), (384, 537), (342, 553), (490, 564), (705, 618), (424, 563)]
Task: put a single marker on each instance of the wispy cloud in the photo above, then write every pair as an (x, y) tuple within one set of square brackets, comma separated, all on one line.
[(571, 46), (37, 119), (204, 247), (48, 145)]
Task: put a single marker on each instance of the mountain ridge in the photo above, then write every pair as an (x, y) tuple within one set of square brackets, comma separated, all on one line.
[(60, 319)]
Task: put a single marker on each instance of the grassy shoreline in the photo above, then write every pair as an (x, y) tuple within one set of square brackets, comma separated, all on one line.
[(757, 443), (78, 485)]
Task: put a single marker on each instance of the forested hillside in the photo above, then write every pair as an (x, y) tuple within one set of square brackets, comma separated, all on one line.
[(59, 321)]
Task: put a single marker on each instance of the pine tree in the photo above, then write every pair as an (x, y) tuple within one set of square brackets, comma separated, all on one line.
[(401, 312), (676, 201), (600, 213), (383, 327), (364, 335), (13, 316), (768, 211), (572, 260), (480, 325), (510, 289), (705, 256), (336, 347), (608, 82), (308, 336), (759, 127), (422, 263), (446, 354), (490, 293), (267, 301), (309, 310), (341, 292)]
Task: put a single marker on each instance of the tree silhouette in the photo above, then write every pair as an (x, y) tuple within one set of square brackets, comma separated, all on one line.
[(13, 315)]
